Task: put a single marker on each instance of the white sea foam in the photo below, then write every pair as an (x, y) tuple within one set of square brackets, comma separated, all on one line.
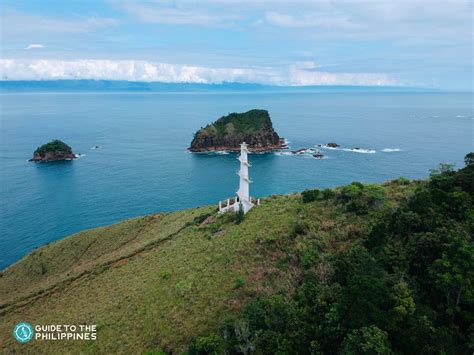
[(210, 152), (360, 150), (324, 146), (353, 150), (304, 153), (391, 150), (462, 116)]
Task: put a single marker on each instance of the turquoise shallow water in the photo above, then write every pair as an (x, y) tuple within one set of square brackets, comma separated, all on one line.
[(143, 166)]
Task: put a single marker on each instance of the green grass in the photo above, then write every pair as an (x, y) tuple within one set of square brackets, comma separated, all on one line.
[(158, 281)]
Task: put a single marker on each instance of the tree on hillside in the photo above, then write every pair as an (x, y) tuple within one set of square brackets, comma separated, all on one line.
[(366, 340), (469, 159)]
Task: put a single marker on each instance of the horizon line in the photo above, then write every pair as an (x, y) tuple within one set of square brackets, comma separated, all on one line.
[(7, 80)]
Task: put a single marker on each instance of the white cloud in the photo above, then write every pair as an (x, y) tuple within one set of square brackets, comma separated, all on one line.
[(307, 75), (322, 20), (401, 19), (297, 74), (171, 16), (34, 46), (21, 25)]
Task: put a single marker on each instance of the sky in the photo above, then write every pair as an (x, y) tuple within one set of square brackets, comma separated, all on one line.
[(422, 43)]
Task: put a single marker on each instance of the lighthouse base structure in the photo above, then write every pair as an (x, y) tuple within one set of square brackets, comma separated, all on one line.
[(234, 205)]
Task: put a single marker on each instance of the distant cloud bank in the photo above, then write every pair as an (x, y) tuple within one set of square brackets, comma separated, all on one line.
[(298, 74)]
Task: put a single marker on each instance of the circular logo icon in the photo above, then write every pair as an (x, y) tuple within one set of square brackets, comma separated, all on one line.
[(23, 332)]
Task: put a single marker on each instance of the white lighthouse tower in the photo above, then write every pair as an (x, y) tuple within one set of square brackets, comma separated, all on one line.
[(242, 200), (244, 184)]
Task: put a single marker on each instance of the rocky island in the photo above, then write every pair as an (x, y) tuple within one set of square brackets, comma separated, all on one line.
[(227, 133), (53, 151)]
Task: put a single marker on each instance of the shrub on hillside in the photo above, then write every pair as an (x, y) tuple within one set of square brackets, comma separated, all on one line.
[(297, 229), (204, 345), (317, 195), (240, 215), (359, 198), (201, 218), (310, 195), (328, 194), (403, 181), (239, 282)]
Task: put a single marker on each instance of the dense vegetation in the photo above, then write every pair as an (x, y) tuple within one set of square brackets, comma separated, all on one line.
[(361, 268), (254, 126), (53, 146), (406, 286), (250, 121)]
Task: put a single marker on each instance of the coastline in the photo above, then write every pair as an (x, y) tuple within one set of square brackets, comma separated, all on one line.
[(267, 149)]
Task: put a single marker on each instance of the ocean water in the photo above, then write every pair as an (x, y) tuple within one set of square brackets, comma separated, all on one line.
[(142, 166)]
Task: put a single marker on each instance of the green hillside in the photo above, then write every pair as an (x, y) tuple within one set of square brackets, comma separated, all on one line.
[(358, 269)]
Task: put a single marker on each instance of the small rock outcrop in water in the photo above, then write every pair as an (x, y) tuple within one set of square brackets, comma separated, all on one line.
[(299, 151), (332, 145), (53, 151), (228, 132)]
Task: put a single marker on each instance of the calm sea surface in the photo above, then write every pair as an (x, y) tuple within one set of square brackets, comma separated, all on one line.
[(143, 166)]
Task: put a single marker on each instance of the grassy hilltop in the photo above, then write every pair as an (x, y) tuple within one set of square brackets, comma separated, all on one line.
[(358, 269)]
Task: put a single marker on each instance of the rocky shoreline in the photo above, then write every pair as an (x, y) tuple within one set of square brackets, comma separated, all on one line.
[(253, 149), (53, 156)]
